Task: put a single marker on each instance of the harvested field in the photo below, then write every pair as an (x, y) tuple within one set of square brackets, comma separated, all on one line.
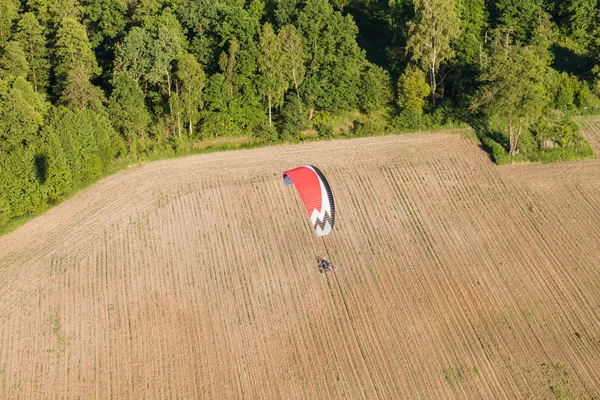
[(196, 278)]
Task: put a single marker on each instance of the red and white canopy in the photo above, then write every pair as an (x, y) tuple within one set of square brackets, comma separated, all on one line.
[(316, 195)]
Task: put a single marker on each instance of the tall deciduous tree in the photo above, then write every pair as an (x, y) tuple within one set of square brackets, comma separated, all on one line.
[(512, 87), (134, 56), (431, 32), (292, 54), (272, 68), (333, 59), (127, 109), (30, 34), (191, 80)]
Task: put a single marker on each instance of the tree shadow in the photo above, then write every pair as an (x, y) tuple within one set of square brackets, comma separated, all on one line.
[(567, 60), (41, 168)]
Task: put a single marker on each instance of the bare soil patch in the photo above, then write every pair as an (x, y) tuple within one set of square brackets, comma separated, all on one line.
[(196, 278)]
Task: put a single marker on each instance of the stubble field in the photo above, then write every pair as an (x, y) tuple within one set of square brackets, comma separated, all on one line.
[(196, 278)]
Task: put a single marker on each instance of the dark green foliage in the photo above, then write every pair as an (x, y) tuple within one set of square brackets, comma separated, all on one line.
[(22, 115), (88, 141), (19, 182), (294, 117), (128, 111), (8, 15), (105, 19), (54, 170), (374, 89), (186, 70), (13, 62), (407, 119), (30, 35), (72, 49), (333, 59), (518, 17)]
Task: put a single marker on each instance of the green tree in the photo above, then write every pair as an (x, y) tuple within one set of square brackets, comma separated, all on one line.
[(512, 87), (432, 30), (39, 8), (374, 88), (8, 14), (292, 55), (134, 56), (13, 62), (22, 114), (19, 182), (294, 119), (128, 111), (518, 17), (191, 83), (72, 49), (30, 35), (272, 68), (88, 139), (60, 9), (167, 46), (412, 89), (286, 12), (79, 91), (200, 18), (105, 19), (57, 178), (333, 58), (473, 23), (145, 9), (227, 63), (580, 19)]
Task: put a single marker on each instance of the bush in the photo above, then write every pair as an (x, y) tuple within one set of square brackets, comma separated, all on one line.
[(266, 133), (557, 133), (325, 130), (367, 128), (565, 95), (294, 118), (496, 150), (407, 119), (585, 99)]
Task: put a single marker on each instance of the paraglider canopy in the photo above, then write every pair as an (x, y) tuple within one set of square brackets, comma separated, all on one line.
[(316, 195)]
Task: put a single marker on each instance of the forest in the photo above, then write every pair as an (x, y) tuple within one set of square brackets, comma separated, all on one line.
[(86, 85)]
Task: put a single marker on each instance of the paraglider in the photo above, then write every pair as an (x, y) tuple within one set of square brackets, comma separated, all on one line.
[(315, 192)]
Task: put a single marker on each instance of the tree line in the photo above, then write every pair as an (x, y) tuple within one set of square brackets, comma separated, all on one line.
[(86, 82)]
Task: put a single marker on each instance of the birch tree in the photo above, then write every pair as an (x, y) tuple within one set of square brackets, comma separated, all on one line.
[(431, 32)]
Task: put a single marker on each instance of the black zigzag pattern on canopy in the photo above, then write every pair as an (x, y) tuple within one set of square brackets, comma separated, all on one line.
[(321, 223), (326, 218)]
